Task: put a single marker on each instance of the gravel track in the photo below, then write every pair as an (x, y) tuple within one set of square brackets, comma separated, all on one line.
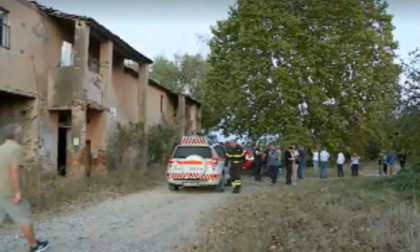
[(151, 221), (156, 220)]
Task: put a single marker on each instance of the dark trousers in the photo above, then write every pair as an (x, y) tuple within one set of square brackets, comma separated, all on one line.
[(257, 171), (235, 176), (288, 174), (402, 164), (300, 170), (385, 168), (264, 169), (274, 173), (354, 170), (340, 170)]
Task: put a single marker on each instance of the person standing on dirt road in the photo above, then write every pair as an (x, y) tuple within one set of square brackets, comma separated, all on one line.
[(402, 159), (384, 164), (274, 163), (340, 162), (295, 154), (324, 157), (315, 159), (302, 162), (355, 162), (265, 171), (258, 160), (288, 163), (12, 201), (236, 157), (390, 162)]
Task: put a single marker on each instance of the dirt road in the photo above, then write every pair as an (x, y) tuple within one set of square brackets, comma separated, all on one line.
[(156, 220)]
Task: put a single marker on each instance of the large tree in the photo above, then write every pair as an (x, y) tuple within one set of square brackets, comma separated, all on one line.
[(184, 74), (312, 71), (405, 133)]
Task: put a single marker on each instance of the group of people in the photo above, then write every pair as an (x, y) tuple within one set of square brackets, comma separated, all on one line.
[(387, 162), (321, 159), (270, 162)]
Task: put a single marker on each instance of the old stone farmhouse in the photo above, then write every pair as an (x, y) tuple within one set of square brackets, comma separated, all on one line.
[(66, 79), (180, 111)]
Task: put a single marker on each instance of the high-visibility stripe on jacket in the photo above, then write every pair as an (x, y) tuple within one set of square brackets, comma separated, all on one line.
[(236, 155)]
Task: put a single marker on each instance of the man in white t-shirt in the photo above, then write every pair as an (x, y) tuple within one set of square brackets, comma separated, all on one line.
[(315, 159), (340, 161), (324, 156)]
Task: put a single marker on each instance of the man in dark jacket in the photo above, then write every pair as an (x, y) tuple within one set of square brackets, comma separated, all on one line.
[(264, 163), (258, 161), (288, 163)]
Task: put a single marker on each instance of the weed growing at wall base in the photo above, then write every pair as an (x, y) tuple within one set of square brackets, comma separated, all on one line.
[(124, 146), (127, 142), (56, 193), (121, 177), (161, 140)]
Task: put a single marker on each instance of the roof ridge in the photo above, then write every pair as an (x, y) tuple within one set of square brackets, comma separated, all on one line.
[(61, 14)]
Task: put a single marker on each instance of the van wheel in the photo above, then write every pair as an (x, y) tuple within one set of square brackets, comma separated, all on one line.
[(221, 186), (173, 187)]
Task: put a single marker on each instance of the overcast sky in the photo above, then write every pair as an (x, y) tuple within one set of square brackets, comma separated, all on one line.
[(166, 27)]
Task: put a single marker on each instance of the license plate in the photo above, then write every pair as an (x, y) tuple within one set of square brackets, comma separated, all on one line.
[(191, 184), (195, 168)]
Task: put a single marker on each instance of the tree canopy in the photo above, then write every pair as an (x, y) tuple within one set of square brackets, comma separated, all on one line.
[(405, 132), (315, 72), (184, 74)]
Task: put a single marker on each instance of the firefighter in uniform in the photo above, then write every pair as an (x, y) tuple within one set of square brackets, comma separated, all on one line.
[(236, 157)]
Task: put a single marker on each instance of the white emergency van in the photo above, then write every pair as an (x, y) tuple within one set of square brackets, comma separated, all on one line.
[(195, 163)]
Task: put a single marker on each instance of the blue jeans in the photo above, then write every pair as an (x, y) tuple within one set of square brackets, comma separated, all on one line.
[(274, 172), (300, 170), (316, 164), (323, 172)]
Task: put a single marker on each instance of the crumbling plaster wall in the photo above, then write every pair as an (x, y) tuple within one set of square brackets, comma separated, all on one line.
[(154, 114), (29, 66), (124, 97), (193, 116)]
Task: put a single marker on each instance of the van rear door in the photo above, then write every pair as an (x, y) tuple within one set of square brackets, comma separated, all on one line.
[(193, 161)]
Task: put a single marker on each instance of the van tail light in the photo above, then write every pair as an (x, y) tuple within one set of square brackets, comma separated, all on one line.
[(169, 164), (214, 162)]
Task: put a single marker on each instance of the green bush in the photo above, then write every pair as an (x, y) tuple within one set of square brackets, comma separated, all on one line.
[(161, 140), (126, 143), (407, 181)]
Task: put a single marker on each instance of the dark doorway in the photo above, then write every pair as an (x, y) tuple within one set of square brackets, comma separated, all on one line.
[(62, 151), (88, 158), (64, 125)]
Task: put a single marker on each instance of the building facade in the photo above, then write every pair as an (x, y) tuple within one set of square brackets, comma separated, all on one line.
[(68, 81)]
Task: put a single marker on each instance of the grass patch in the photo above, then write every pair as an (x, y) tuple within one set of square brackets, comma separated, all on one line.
[(351, 214), (53, 194)]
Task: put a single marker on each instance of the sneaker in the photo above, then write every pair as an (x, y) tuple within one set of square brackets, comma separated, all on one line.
[(41, 246)]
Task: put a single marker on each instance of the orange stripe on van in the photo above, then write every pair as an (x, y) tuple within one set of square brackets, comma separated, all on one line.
[(192, 163)]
